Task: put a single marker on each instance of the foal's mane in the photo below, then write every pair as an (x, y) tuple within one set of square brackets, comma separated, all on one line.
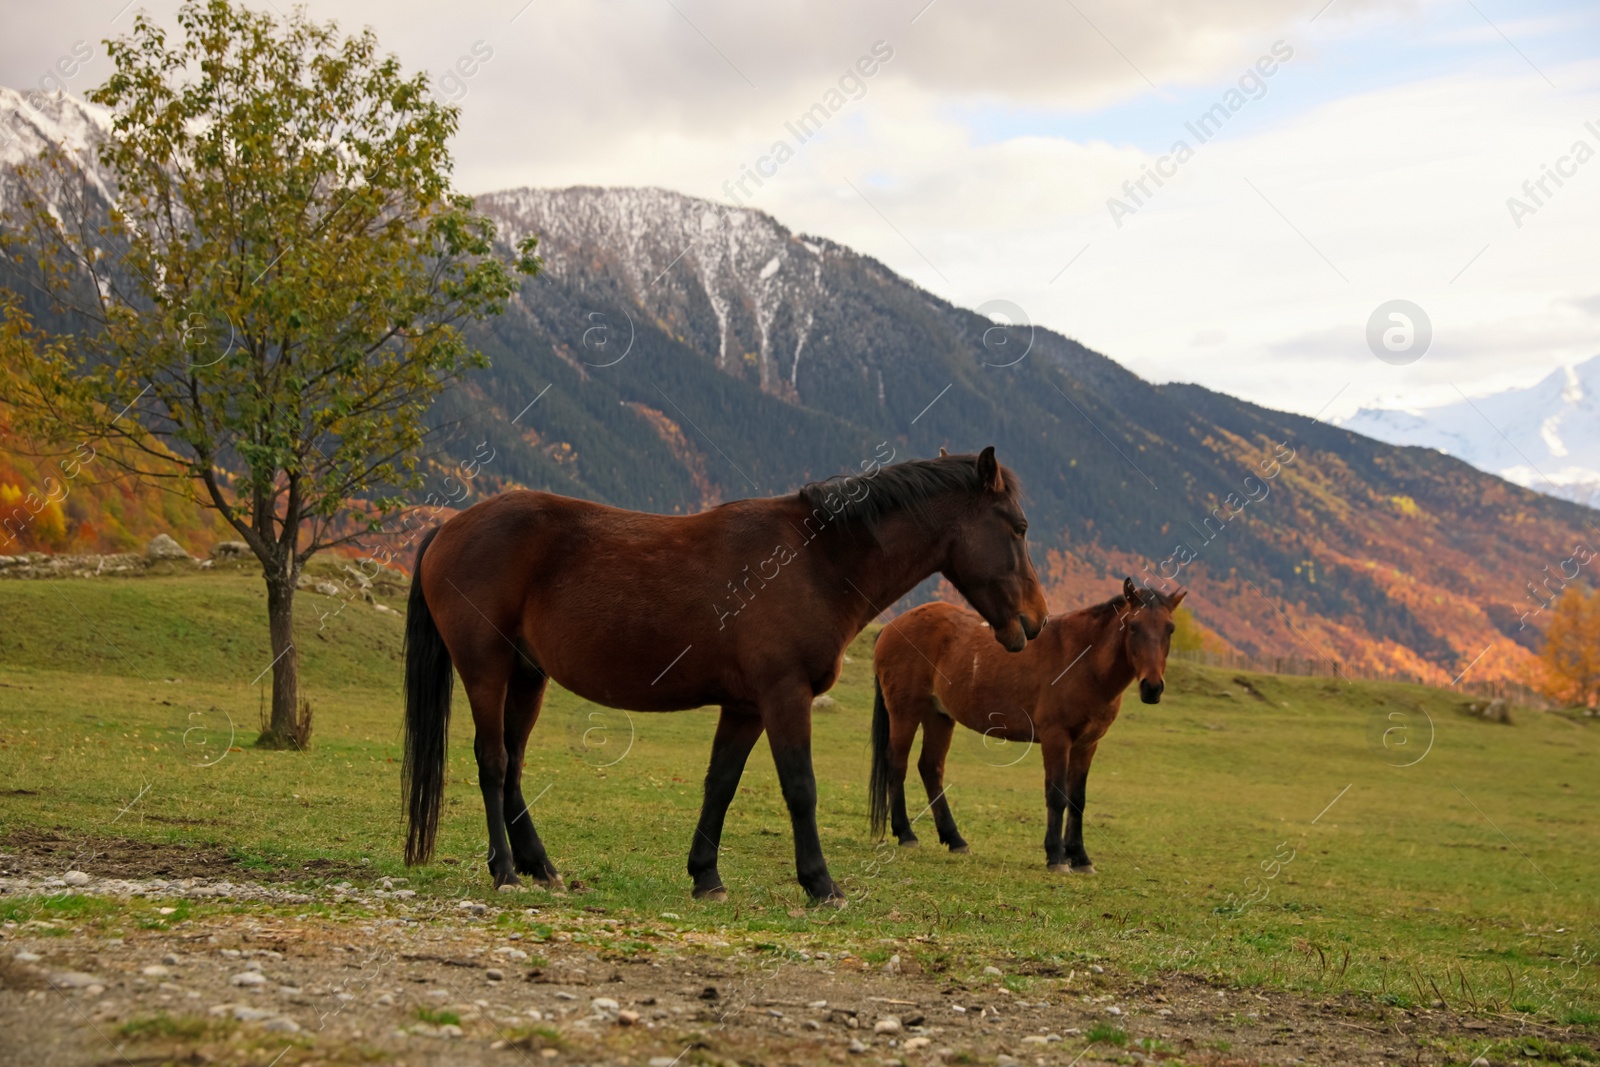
[(904, 487)]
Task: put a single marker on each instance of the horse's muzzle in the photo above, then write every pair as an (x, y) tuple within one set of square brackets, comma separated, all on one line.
[(1150, 692), (1013, 636), (1032, 629)]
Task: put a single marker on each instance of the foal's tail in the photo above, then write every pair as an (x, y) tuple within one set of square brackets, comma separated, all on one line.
[(428, 684), (878, 787)]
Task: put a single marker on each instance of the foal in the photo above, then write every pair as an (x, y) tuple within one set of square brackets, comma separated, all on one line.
[(936, 666)]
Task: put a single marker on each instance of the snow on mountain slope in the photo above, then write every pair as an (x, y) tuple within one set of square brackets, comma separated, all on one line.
[(31, 122), (1545, 437), (672, 252)]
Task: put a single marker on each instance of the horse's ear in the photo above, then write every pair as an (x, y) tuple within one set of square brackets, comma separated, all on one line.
[(1130, 591), (989, 471), (943, 451), (1177, 598)]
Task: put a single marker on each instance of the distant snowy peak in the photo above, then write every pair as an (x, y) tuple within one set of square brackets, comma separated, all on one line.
[(30, 122), (1545, 436), (673, 253)]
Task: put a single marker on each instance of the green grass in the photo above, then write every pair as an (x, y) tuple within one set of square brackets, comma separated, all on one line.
[(1227, 841)]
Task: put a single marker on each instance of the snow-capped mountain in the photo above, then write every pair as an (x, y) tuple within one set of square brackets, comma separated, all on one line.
[(1545, 437), (30, 122)]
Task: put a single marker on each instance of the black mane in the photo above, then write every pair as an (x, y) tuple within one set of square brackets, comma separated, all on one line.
[(904, 487)]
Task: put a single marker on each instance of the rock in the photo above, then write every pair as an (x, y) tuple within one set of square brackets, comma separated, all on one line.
[(893, 966), (1480, 1062), (449, 1030), (495, 974), (510, 953), (162, 546), (230, 550), (824, 703), (248, 979), (914, 1043), (385, 1001), (1095, 968), (1113, 1010), (856, 1046), (27, 957), (886, 1025), (282, 1025), (155, 970), (994, 971), (318, 585), (246, 1014), (170, 959), (75, 878), (603, 1004), (812, 1024), (1004, 1060), (74, 979), (627, 1018)]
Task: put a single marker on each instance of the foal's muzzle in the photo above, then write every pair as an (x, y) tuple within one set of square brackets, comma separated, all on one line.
[(1150, 692)]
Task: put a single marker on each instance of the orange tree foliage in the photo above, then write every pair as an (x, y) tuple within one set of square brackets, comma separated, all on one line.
[(1571, 656)]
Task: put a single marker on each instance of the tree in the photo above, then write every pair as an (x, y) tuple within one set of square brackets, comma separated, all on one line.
[(271, 266), (1571, 655)]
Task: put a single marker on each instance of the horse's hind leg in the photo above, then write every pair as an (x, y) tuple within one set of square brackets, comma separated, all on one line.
[(902, 735), (524, 697), (486, 685), (738, 730), (937, 730)]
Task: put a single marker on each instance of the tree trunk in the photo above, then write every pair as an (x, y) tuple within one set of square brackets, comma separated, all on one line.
[(283, 730)]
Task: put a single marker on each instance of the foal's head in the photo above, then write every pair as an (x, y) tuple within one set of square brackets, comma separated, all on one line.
[(1147, 635)]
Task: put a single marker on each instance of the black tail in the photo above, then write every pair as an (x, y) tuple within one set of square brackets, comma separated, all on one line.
[(878, 788), (429, 679)]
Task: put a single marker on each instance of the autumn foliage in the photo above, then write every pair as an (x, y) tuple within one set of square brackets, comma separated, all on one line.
[(1570, 661)]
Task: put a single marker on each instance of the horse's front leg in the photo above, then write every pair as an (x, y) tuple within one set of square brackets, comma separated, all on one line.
[(1077, 797), (737, 732), (1054, 750), (787, 716)]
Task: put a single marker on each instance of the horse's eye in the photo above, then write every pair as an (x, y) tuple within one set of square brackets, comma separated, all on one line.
[(1021, 528), (1171, 627)]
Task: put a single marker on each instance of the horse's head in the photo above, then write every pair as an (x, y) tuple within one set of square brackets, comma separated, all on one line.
[(1147, 635), (988, 561)]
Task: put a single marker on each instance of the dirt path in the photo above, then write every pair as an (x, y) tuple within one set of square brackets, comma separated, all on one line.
[(384, 976)]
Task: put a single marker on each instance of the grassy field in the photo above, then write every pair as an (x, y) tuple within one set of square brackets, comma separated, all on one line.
[(1250, 828)]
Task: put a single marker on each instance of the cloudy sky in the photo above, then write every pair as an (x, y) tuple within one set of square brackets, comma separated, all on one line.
[(1357, 153)]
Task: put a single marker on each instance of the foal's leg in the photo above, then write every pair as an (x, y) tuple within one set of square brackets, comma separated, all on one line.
[(902, 735), (1077, 795), (787, 716), (937, 730), (524, 697), (1055, 752), (486, 690), (737, 732)]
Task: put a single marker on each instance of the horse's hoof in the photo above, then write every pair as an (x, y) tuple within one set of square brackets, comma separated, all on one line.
[(1085, 868), (910, 842), (838, 902), (1061, 868), (508, 884), (960, 850), (553, 884), (716, 893)]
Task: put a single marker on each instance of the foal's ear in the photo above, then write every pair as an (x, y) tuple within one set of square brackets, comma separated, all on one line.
[(1131, 591), (989, 471), (1177, 598), (943, 451)]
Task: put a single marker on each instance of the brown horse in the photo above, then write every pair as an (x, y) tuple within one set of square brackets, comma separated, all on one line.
[(935, 666), (747, 606)]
